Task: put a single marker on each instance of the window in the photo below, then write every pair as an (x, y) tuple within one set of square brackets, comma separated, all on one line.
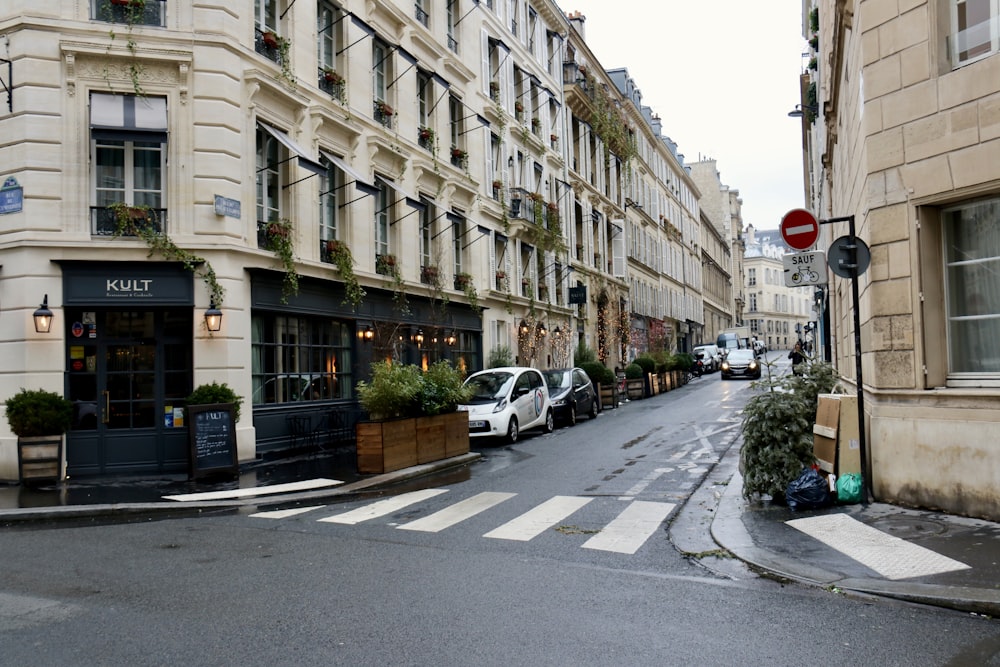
[(331, 185), (420, 12), (458, 237), (450, 15), (300, 359), (128, 144), (149, 13), (425, 131), (459, 157), (268, 182), (427, 216), (975, 29), (972, 286), (383, 204), (329, 22), (381, 76)]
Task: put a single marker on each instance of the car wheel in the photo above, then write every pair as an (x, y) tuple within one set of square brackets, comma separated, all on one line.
[(550, 421), (572, 414), (512, 431), (593, 408)]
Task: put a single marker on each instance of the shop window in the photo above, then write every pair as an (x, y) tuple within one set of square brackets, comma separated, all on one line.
[(299, 359)]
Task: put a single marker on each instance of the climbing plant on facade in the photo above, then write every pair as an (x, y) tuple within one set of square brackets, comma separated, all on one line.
[(141, 222)]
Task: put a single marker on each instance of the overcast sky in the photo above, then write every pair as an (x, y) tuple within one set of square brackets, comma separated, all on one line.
[(723, 75)]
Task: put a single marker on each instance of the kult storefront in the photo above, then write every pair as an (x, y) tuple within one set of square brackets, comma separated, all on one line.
[(128, 332)]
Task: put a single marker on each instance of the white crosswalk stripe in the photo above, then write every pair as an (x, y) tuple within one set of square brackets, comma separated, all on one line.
[(383, 507), (536, 521), (624, 533), (631, 528), (890, 556), (457, 513)]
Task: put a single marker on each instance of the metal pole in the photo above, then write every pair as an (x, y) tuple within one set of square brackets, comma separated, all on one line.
[(852, 264)]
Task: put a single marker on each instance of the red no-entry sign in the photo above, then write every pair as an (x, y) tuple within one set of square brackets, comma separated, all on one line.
[(799, 229)]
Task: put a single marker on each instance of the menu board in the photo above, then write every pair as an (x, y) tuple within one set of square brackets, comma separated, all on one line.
[(212, 434)]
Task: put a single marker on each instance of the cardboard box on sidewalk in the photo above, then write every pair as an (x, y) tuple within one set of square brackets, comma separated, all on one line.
[(836, 443)]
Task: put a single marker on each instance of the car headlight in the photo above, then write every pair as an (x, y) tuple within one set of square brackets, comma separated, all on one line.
[(753, 365), (559, 402), (725, 365), (500, 406)]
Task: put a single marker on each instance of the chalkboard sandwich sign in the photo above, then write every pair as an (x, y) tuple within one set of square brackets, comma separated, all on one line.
[(213, 411), (212, 434)]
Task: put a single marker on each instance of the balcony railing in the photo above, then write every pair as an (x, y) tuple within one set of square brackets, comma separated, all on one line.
[(103, 223), (148, 13), (421, 15), (265, 44)]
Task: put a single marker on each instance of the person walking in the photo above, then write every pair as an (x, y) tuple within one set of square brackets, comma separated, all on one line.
[(798, 358)]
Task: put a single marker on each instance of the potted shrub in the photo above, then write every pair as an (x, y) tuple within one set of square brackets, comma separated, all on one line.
[(604, 381), (442, 431), (39, 419), (216, 394), (634, 381)]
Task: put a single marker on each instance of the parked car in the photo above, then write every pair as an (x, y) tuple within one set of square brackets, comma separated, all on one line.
[(741, 363), (506, 401), (759, 347), (710, 355), (572, 394)]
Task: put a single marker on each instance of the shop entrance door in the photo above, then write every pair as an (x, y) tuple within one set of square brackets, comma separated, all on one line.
[(127, 375)]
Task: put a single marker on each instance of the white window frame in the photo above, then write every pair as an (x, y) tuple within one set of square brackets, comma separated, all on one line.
[(984, 32)]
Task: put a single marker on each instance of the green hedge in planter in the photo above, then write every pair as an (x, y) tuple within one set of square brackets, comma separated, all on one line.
[(210, 394), (598, 373), (36, 412), (633, 372), (645, 362)]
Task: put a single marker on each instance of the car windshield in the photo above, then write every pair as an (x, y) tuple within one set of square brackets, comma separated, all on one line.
[(740, 356), (488, 387), (557, 379)]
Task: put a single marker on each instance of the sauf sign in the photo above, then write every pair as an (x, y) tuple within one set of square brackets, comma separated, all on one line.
[(804, 268)]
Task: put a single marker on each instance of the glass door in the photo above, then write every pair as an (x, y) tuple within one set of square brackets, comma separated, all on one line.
[(128, 373)]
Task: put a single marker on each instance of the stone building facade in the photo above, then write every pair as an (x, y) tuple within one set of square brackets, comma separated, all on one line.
[(902, 105)]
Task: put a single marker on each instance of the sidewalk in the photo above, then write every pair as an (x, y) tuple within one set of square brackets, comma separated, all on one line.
[(878, 549)]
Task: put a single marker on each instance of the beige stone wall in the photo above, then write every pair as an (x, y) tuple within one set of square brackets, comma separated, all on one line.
[(906, 134)]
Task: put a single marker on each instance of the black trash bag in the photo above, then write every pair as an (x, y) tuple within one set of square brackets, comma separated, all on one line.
[(808, 492)]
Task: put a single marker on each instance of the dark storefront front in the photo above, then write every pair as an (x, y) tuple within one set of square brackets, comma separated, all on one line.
[(307, 355), (128, 332)]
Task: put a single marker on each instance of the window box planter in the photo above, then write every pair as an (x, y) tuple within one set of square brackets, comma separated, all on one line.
[(459, 157), (270, 39), (383, 112)]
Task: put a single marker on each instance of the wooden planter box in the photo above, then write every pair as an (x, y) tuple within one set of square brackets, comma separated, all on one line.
[(456, 434), (662, 381), (608, 395), (386, 446), (636, 389), (39, 458), (654, 384), (401, 443)]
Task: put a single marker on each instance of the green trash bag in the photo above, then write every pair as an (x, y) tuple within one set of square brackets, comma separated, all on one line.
[(849, 488)]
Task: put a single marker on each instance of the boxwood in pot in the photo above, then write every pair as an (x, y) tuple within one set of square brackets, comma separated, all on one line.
[(36, 412)]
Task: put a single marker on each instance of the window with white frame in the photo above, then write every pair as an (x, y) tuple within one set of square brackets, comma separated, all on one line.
[(128, 144), (427, 216), (331, 185), (383, 206), (329, 22), (975, 30), (971, 236), (381, 76), (450, 9), (269, 181)]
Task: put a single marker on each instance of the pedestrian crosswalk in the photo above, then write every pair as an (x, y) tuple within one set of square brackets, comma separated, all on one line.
[(628, 523), (890, 556)]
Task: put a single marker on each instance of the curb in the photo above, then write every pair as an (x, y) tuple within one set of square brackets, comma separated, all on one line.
[(729, 532), (185, 508)]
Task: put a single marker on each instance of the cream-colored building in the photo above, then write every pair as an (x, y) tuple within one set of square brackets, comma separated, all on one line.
[(906, 139), (342, 182), (778, 315)]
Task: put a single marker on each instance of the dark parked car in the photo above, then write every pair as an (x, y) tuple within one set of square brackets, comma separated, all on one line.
[(741, 363), (572, 394)]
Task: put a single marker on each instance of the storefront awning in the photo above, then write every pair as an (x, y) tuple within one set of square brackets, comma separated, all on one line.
[(301, 153)]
